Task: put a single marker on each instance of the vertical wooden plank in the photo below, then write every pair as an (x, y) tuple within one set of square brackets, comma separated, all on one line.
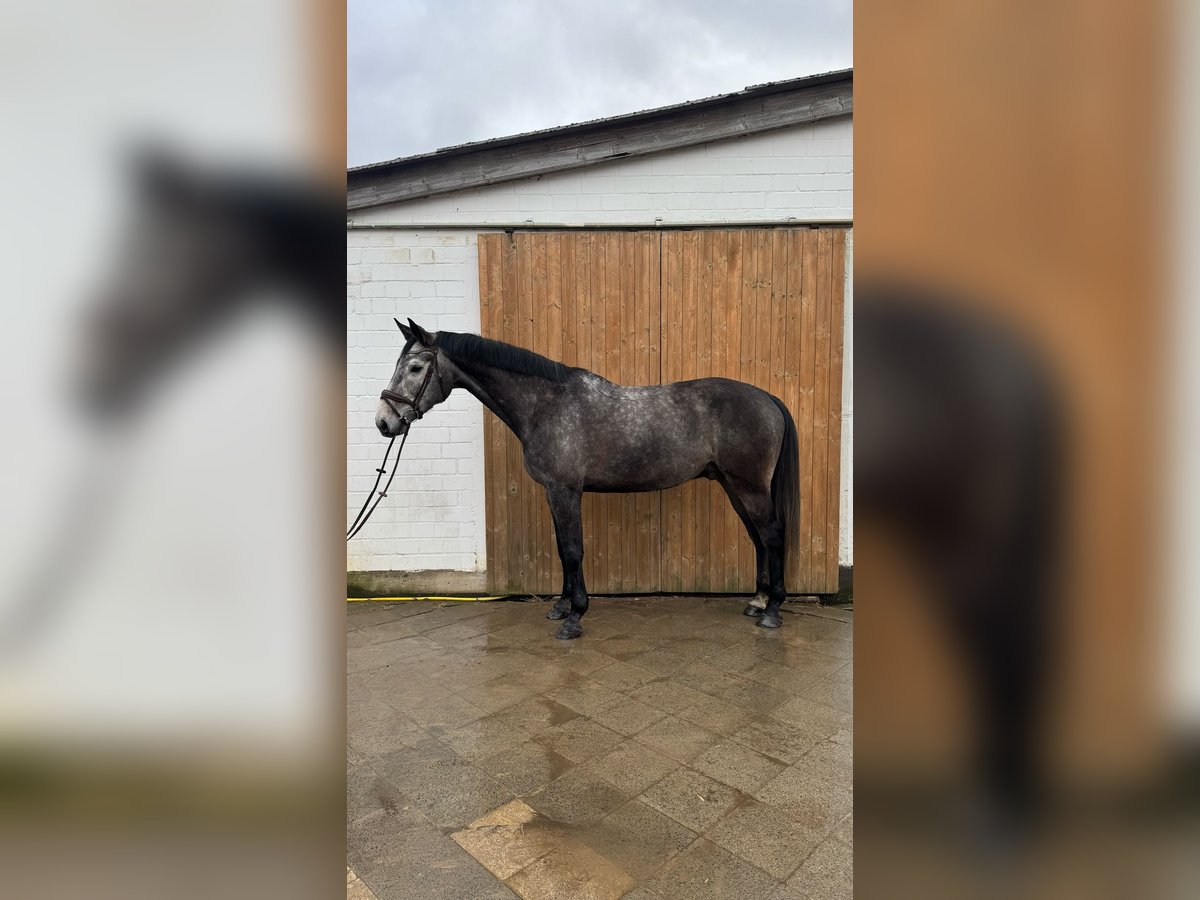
[(611, 348), (498, 569), (703, 509), (689, 357), (590, 275), (804, 423), (488, 302), (568, 298), (735, 533), (600, 338), (550, 576), (791, 374), (603, 338), (584, 265), (626, 298), (717, 263), (821, 405), (652, 374), (519, 538), (536, 507), (672, 314), (531, 492), (745, 304), (635, 366), (505, 330), (762, 310), (780, 252), (513, 288), (778, 309), (833, 490)]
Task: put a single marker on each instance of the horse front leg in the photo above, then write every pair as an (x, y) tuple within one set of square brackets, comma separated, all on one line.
[(562, 606), (568, 527)]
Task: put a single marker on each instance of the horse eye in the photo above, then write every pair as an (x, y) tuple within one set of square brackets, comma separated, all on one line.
[(414, 368)]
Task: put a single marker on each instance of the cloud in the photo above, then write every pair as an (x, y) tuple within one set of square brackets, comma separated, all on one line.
[(425, 74)]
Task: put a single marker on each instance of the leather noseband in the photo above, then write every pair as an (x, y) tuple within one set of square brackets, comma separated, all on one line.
[(391, 398)]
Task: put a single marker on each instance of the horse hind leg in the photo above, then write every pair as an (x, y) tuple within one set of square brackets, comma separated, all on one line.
[(773, 537), (761, 581), (757, 512)]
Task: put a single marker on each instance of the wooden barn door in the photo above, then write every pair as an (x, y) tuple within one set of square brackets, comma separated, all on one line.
[(759, 305)]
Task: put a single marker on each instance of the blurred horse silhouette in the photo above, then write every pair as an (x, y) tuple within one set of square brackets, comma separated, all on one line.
[(203, 246), (959, 449)]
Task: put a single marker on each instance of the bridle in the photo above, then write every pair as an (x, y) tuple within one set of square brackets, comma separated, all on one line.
[(391, 398)]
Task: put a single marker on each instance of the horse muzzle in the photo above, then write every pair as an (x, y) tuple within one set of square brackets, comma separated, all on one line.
[(393, 428)]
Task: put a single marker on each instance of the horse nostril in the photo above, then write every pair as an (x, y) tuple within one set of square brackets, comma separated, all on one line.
[(382, 426)]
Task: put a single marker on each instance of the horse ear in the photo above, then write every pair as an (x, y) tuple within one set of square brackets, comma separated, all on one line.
[(404, 329), (421, 334), (161, 173)]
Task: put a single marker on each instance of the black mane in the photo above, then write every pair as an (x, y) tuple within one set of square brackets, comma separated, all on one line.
[(472, 347)]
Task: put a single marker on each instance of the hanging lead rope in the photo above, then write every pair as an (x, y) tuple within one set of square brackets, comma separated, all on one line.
[(365, 513), (391, 398)]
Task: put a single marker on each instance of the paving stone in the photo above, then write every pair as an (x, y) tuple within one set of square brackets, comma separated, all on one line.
[(705, 871), (691, 799), (579, 739), (827, 873), (736, 765), (677, 739), (631, 766)]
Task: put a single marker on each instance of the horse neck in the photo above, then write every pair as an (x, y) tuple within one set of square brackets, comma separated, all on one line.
[(513, 396), (289, 227)]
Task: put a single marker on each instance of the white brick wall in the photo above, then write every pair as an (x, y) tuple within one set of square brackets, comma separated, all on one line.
[(423, 262), (433, 516)]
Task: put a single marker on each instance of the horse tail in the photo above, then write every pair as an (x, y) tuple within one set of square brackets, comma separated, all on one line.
[(785, 482)]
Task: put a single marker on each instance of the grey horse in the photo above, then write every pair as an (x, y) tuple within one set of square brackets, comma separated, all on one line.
[(580, 432)]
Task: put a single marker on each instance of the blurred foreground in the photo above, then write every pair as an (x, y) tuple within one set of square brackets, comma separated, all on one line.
[(1026, 689), (167, 678)]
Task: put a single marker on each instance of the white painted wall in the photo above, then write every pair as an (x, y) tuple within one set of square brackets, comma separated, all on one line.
[(420, 259), (803, 172), (433, 516)]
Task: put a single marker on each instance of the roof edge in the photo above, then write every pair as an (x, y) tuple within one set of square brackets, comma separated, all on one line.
[(755, 109), (754, 90)]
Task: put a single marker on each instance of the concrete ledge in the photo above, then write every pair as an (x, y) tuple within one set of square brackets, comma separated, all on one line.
[(446, 582), (433, 582)]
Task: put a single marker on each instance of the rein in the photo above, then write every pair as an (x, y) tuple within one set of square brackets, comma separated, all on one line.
[(391, 398)]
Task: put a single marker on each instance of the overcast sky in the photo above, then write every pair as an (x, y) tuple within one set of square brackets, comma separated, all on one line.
[(425, 74)]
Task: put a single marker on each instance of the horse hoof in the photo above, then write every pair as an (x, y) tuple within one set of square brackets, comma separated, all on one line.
[(769, 621), (752, 610), (569, 632), (556, 613)]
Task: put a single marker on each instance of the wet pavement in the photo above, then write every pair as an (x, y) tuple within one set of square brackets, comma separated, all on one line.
[(676, 750)]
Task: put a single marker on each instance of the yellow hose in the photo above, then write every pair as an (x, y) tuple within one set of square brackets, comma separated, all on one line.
[(396, 599)]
